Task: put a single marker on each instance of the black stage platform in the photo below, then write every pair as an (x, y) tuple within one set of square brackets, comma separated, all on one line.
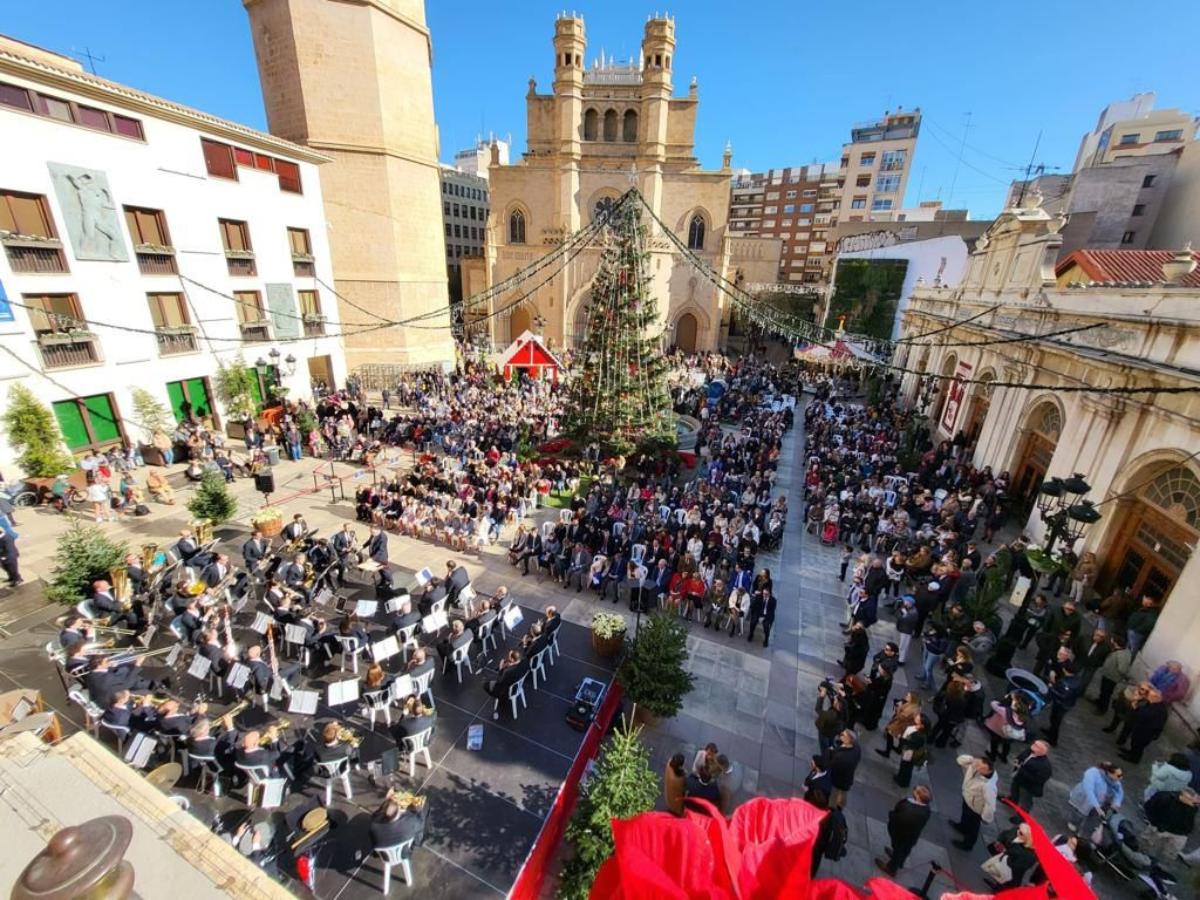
[(485, 807)]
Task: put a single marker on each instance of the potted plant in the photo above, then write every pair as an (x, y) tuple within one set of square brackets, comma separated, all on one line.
[(84, 554), (233, 386), (653, 674), (153, 417), (213, 501), (608, 633), (268, 520), (621, 786), (33, 433)]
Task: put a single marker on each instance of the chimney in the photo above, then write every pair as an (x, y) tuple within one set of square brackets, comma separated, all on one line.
[(1181, 265)]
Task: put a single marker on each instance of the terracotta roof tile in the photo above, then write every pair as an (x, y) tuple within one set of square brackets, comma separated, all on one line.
[(1124, 266)]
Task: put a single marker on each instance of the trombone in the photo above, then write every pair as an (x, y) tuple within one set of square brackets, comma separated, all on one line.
[(144, 654), (110, 629)]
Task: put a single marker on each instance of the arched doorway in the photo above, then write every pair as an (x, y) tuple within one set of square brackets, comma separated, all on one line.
[(1043, 427), (686, 327), (980, 402), (1158, 528), (518, 323), (944, 385), (579, 326)]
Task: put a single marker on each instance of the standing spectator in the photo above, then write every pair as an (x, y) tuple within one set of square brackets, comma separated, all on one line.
[(762, 606), (1008, 722), (704, 786), (855, 650), (1091, 654), (1098, 792), (817, 779), (1172, 816), (1143, 725), (1083, 576), (1114, 672), (914, 750), (934, 645), (905, 823), (1171, 681), (1065, 688), (705, 757), (907, 619), (674, 782), (831, 715), (905, 711), (387, 398), (1170, 774), (951, 708), (842, 761), (10, 556), (1142, 622), (1007, 869), (832, 833), (1031, 771), (978, 799)]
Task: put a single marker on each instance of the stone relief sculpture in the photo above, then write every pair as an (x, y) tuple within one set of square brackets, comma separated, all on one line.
[(92, 219)]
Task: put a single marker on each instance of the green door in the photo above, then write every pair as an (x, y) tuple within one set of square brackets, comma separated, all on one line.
[(70, 422), (197, 392), (176, 395), (256, 393), (102, 418)]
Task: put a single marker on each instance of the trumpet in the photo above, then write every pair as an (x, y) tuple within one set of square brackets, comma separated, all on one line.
[(233, 712), (347, 736), (156, 699), (276, 727)]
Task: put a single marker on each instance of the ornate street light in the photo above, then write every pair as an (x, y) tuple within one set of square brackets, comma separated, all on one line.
[(289, 365), (274, 354), (260, 363), (1065, 512)]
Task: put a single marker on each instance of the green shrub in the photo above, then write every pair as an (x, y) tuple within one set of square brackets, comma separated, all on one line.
[(213, 500), (653, 674), (84, 554), (33, 433)]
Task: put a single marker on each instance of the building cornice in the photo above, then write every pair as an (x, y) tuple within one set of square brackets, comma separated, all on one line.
[(376, 150), (131, 100)]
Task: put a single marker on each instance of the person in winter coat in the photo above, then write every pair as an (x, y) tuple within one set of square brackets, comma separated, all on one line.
[(1017, 855), (907, 619), (951, 708), (934, 645), (1114, 673), (841, 762), (855, 650), (978, 799), (905, 823), (1008, 722), (905, 711), (1143, 725), (1171, 774), (1172, 816), (1066, 686), (1031, 771), (1098, 792), (674, 783), (914, 750)]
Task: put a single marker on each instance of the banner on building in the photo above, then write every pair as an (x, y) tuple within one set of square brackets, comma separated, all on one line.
[(957, 390), (282, 306), (6, 313)]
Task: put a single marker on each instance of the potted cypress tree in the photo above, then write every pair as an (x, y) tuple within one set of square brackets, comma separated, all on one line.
[(653, 673), (212, 500), (84, 554), (34, 434), (621, 786), (153, 417)]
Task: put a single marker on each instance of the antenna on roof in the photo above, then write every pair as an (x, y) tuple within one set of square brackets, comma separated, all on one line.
[(91, 58)]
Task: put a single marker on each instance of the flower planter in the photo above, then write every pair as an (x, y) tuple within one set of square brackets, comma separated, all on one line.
[(608, 647), (270, 527)]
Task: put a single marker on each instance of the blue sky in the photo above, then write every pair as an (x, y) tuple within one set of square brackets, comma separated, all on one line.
[(782, 80)]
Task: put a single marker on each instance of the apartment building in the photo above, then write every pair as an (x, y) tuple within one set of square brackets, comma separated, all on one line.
[(1133, 128), (144, 243), (464, 220), (800, 205)]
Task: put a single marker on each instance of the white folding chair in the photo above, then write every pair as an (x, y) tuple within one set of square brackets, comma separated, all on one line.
[(335, 770), (85, 609), (421, 688), (352, 649), (548, 530), (458, 657), (565, 516), (487, 634), (208, 767), (378, 702), (120, 732), (256, 777), (92, 714), (418, 743), (516, 691), (294, 637), (553, 632), (637, 553), (407, 638), (395, 856)]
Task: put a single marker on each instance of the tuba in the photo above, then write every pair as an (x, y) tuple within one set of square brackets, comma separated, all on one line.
[(149, 557), (122, 588), (203, 529)]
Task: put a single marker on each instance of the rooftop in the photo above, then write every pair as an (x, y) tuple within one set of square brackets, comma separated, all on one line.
[(1127, 267)]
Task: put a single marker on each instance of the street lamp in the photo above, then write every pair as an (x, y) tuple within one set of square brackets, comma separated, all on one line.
[(1066, 514), (260, 363), (274, 354), (289, 365)]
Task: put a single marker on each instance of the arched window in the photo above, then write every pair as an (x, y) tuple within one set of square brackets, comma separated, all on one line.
[(516, 227), (629, 132), (1177, 493), (591, 125), (610, 125), (603, 205), (696, 233)]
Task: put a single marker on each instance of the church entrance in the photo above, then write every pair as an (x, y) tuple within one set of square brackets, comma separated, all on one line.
[(1043, 428), (1158, 529), (518, 323), (685, 333)]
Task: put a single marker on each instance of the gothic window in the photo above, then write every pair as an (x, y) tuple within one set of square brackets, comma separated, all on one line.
[(610, 125), (696, 233), (516, 227), (591, 125), (1177, 493), (603, 205), (630, 127)]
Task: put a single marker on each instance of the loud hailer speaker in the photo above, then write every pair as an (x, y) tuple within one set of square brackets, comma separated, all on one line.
[(264, 482)]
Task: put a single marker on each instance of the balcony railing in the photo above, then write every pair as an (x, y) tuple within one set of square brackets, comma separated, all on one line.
[(259, 331), (63, 349), (35, 256), (241, 262), (303, 266), (155, 260), (176, 339), (894, 165), (314, 326)]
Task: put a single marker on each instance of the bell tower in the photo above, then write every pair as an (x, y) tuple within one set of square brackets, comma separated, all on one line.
[(352, 81), (570, 45), (658, 54)]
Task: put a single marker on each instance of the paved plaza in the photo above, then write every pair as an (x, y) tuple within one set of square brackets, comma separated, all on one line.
[(755, 703)]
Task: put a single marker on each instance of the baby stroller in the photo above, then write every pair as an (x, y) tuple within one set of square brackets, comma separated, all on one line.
[(829, 531), (1118, 849)]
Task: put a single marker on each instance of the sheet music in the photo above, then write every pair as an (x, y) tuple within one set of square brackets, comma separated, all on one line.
[(385, 649), (366, 609), (173, 656), (261, 621), (137, 754), (276, 691), (238, 676), (323, 597), (434, 622), (21, 710), (341, 692), (241, 604), (513, 617), (424, 577), (304, 703), (272, 796), (403, 687), (199, 667)]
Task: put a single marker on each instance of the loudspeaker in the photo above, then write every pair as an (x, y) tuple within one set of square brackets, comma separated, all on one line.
[(264, 482)]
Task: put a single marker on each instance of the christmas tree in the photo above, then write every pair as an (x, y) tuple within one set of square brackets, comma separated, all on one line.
[(619, 396)]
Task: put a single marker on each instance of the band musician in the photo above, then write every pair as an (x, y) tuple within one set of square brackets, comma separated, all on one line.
[(295, 529), (398, 820), (255, 550), (377, 551)]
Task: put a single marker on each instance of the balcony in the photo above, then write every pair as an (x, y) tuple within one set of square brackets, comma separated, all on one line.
[(314, 325), (176, 339), (34, 255), (258, 331), (892, 165), (155, 259), (66, 349), (241, 262), (303, 265)]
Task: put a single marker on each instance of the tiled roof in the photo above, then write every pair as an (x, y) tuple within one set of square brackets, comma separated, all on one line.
[(1126, 266)]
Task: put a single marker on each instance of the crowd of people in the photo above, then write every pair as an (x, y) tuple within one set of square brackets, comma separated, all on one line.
[(912, 520)]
